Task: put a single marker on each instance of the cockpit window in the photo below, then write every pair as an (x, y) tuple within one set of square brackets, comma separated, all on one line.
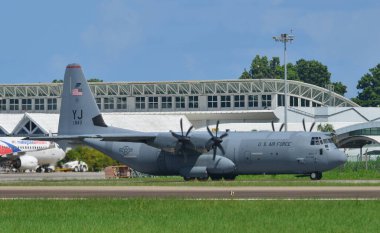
[(316, 141)]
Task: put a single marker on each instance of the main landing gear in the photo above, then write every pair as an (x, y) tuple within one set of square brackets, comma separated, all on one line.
[(213, 177), (316, 175)]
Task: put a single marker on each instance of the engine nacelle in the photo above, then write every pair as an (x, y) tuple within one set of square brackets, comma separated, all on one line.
[(25, 162)]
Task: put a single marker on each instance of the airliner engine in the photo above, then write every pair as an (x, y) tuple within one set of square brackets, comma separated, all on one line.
[(26, 162)]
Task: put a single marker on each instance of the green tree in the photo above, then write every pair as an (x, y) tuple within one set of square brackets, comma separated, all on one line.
[(339, 88), (95, 160), (326, 128), (369, 86), (260, 68), (313, 72), (94, 80), (57, 81), (245, 75), (291, 69)]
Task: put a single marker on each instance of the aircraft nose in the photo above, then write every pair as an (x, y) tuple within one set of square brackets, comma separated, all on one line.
[(339, 158)]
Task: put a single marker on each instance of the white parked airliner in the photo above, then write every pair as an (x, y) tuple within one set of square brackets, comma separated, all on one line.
[(29, 154)]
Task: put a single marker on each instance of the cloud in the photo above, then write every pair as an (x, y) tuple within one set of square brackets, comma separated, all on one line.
[(116, 29)]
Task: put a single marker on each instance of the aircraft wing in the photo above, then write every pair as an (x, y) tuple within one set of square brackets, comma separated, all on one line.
[(127, 137)]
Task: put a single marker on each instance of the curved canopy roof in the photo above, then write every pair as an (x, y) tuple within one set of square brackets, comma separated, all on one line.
[(319, 95)]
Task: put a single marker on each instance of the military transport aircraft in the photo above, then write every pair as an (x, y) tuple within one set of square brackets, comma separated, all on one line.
[(191, 154)]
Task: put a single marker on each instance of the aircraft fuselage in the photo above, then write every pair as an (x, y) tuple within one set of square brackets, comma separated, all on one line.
[(245, 153)]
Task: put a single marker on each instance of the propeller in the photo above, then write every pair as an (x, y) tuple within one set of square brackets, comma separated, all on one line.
[(215, 142), (304, 126), (182, 139), (281, 127)]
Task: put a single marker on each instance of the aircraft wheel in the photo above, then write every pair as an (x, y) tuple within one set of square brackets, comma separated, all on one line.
[(188, 178), (229, 177), (319, 175), (216, 177), (202, 178), (316, 175), (39, 170)]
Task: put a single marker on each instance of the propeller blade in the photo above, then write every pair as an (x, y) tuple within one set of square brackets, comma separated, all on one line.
[(213, 158), (224, 135), (282, 126), (180, 122), (209, 132), (312, 126), (217, 128), (221, 149), (273, 126), (303, 123), (175, 135), (188, 131)]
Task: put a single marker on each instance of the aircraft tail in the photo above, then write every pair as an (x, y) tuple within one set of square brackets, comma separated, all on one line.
[(79, 112)]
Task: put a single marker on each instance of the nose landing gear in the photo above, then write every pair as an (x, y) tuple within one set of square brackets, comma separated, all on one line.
[(316, 175)]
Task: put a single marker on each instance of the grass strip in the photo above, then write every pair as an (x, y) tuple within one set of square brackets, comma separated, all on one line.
[(173, 215)]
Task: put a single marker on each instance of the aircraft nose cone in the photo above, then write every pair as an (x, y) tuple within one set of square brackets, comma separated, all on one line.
[(339, 159)]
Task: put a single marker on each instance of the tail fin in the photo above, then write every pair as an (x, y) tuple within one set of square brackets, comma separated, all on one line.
[(79, 112)]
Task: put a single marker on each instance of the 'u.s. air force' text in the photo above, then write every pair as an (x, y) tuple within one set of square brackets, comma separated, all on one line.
[(277, 144)]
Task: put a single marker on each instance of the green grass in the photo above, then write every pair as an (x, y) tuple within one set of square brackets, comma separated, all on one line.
[(147, 215)]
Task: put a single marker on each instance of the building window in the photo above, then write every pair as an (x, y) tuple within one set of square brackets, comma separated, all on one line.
[(13, 104), (225, 101), (280, 100), (26, 104), (316, 104), (99, 102), (109, 103), (39, 104), (253, 101), (52, 104), (305, 103), (121, 102), (166, 102), (212, 101), (3, 105), (153, 102), (266, 101), (180, 102), (193, 101), (293, 101), (140, 103), (239, 101)]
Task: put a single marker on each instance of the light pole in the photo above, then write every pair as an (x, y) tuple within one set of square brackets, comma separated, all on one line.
[(284, 38)]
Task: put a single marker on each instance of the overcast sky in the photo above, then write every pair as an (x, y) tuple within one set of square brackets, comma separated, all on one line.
[(168, 40)]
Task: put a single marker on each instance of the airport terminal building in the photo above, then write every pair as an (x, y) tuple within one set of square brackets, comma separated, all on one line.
[(240, 105)]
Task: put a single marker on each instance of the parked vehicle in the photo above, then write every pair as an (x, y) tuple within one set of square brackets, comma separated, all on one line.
[(76, 166)]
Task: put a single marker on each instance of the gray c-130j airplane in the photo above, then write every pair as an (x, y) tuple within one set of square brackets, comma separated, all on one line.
[(194, 154)]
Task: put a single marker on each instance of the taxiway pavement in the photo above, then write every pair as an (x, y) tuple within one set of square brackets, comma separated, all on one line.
[(304, 192)]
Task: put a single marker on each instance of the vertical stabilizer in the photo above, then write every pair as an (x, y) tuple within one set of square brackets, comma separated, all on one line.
[(79, 112)]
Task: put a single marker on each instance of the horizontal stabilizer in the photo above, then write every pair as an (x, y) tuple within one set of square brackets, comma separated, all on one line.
[(130, 137)]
